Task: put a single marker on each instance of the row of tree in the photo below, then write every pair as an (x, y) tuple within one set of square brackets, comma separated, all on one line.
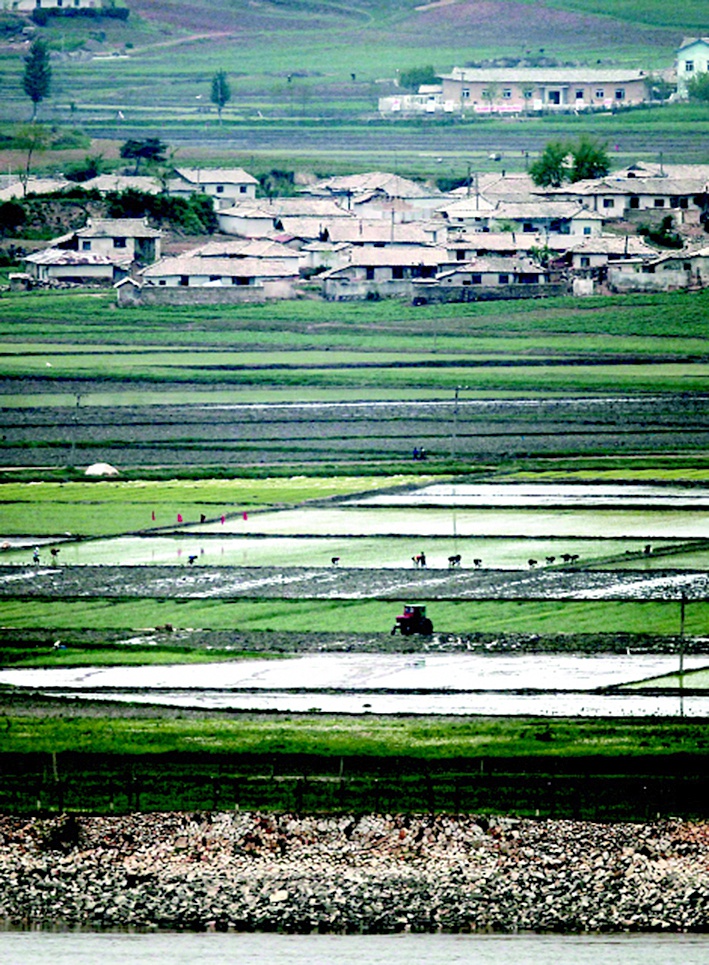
[(37, 79)]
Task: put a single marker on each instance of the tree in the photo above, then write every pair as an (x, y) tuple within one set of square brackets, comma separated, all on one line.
[(151, 150), (589, 160), (698, 87), (221, 92), (550, 169), (32, 138), (37, 78), (412, 79)]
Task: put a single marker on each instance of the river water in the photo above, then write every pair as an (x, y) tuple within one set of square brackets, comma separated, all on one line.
[(112, 948)]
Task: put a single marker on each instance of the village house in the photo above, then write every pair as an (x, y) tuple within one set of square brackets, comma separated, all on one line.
[(378, 194), (382, 272), (515, 90), (28, 6), (265, 217), (495, 271), (547, 218), (101, 251), (490, 277), (224, 185), (589, 257), (377, 233), (692, 59), (123, 182), (215, 279), (463, 246), (669, 271), (645, 199)]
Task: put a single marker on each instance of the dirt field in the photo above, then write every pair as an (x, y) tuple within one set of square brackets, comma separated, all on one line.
[(244, 434), (298, 583)]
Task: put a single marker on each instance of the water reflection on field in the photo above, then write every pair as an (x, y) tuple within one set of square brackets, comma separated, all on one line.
[(391, 683)]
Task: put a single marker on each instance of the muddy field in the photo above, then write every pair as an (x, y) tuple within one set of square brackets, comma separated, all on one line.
[(299, 583), (251, 434)]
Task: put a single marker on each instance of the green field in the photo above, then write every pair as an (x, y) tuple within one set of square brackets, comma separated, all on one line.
[(370, 616)]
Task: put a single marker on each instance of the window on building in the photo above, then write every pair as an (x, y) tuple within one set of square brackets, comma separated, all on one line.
[(240, 280), (579, 95), (659, 203), (527, 94), (608, 203), (527, 227), (688, 66), (585, 261), (184, 280), (600, 93), (370, 274), (60, 3), (684, 202), (397, 272), (242, 189), (507, 93), (460, 254), (620, 93), (486, 92), (476, 279), (162, 281), (86, 246), (215, 277), (465, 93), (635, 202), (503, 279), (119, 242), (587, 229)]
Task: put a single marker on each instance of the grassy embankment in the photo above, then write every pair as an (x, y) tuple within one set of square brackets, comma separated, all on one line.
[(58, 757)]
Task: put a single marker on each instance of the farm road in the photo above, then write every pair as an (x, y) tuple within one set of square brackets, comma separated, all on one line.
[(174, 582)]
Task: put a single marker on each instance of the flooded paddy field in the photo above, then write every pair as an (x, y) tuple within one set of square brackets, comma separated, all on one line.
[(583, 685)]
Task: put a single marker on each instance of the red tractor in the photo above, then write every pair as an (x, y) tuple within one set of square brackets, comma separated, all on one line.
[(413, 620)]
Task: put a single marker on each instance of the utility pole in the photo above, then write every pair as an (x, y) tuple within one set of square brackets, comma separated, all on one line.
[(682, 604), (454, 438)]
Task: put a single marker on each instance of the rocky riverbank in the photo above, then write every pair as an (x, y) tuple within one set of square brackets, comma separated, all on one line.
[(373, 873)]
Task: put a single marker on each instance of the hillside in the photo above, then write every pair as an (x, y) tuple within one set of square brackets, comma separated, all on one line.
[(305, 74)]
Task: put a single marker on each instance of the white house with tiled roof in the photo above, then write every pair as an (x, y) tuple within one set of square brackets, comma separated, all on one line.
[(382, 272), (692, 59), (103, 250), (224, 185)]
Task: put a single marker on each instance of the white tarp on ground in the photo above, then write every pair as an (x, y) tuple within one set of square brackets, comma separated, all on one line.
[(101, 469)]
